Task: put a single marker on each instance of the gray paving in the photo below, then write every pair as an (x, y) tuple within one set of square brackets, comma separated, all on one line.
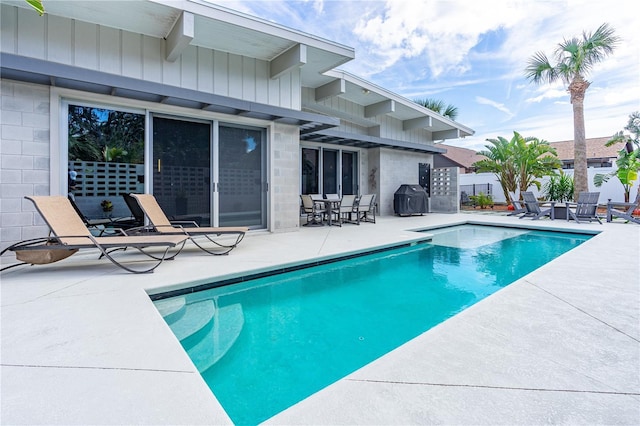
[(83, 344)]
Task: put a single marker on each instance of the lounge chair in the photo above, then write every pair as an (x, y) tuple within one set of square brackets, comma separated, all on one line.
[(102, 226), (585, 209), (533, 208), (160, 223), (69, 234), (367, 208), (627, 214), (518, 206)]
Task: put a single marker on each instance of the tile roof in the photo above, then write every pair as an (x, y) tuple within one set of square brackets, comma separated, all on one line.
[(595, 148), (462, 156)]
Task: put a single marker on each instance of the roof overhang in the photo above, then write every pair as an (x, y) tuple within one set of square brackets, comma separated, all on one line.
[(331, 136), (378, 101), (202, 24), (38, 71)]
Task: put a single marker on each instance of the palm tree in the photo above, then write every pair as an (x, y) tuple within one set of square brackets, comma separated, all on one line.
[(519, 162), (37, 5), (536, 158), (574, 59), (499, 161), (438, 106)]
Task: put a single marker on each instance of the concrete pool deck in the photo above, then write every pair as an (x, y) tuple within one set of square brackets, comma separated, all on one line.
[(83, 344)]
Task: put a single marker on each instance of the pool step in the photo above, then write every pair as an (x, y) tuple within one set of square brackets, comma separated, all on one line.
[(194, 323), (227, 325), (171, 309)]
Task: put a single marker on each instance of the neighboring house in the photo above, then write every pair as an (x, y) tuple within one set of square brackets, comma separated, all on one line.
[(462, 158), (223, 117), (598, 155)]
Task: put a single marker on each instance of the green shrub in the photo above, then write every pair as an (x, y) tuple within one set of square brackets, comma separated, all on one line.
[(482, 200)]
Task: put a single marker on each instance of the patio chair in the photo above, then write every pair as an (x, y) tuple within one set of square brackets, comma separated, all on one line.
[(349, 209), (159, 222), (367, 208), (313, 209), (627, 214), (68, 234), (518, 206), (586, 208), (533, 208)]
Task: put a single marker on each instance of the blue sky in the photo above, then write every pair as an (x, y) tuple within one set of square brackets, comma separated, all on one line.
[(472, 54)]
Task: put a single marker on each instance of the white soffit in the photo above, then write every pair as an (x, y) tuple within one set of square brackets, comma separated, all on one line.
[(215, 27), (376, 100)]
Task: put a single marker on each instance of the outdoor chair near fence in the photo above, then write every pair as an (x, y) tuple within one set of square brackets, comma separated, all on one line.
[(534, 210), (623, 210), (518, 206), (585, 209)]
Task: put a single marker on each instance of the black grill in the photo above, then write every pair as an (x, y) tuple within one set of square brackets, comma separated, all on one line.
[(410, 199)]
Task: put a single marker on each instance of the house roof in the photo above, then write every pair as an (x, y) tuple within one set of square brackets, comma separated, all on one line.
[(203, 24), (464, 157), (595, 148)]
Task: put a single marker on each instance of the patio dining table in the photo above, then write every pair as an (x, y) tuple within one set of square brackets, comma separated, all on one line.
[(329, 205)]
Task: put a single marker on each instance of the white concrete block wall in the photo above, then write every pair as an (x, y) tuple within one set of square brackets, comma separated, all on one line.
[(24, 159), (284, 186), (397, 168)]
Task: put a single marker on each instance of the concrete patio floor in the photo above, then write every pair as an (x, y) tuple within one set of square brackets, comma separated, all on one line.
[(82, 342)]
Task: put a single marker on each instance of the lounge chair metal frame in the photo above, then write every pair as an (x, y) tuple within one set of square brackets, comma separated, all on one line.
[(585, 209), (160, 223), (68, 234), (613, 212), (532, 207)]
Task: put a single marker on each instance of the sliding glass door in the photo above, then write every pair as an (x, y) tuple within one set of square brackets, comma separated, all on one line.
[(214, 174), (329, 171), (182, 168), (242, 176)]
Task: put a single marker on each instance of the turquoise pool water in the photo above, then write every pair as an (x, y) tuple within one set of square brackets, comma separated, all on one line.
[(266, 344)]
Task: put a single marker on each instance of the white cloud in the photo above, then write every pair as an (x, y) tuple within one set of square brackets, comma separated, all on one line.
[(497, 105), (473, 55)]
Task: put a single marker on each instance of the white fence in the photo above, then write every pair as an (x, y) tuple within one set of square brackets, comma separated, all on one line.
[(610, 190)]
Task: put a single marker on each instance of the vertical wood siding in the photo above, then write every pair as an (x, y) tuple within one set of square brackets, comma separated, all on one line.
[(134, 55)]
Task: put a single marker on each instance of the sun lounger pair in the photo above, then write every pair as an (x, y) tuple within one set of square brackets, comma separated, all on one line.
[(68, 234)]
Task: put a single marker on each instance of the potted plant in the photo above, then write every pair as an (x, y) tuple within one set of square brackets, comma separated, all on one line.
[(559, 189), (107, 207)]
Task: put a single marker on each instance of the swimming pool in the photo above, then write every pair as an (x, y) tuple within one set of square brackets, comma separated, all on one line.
[(266, 344)]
